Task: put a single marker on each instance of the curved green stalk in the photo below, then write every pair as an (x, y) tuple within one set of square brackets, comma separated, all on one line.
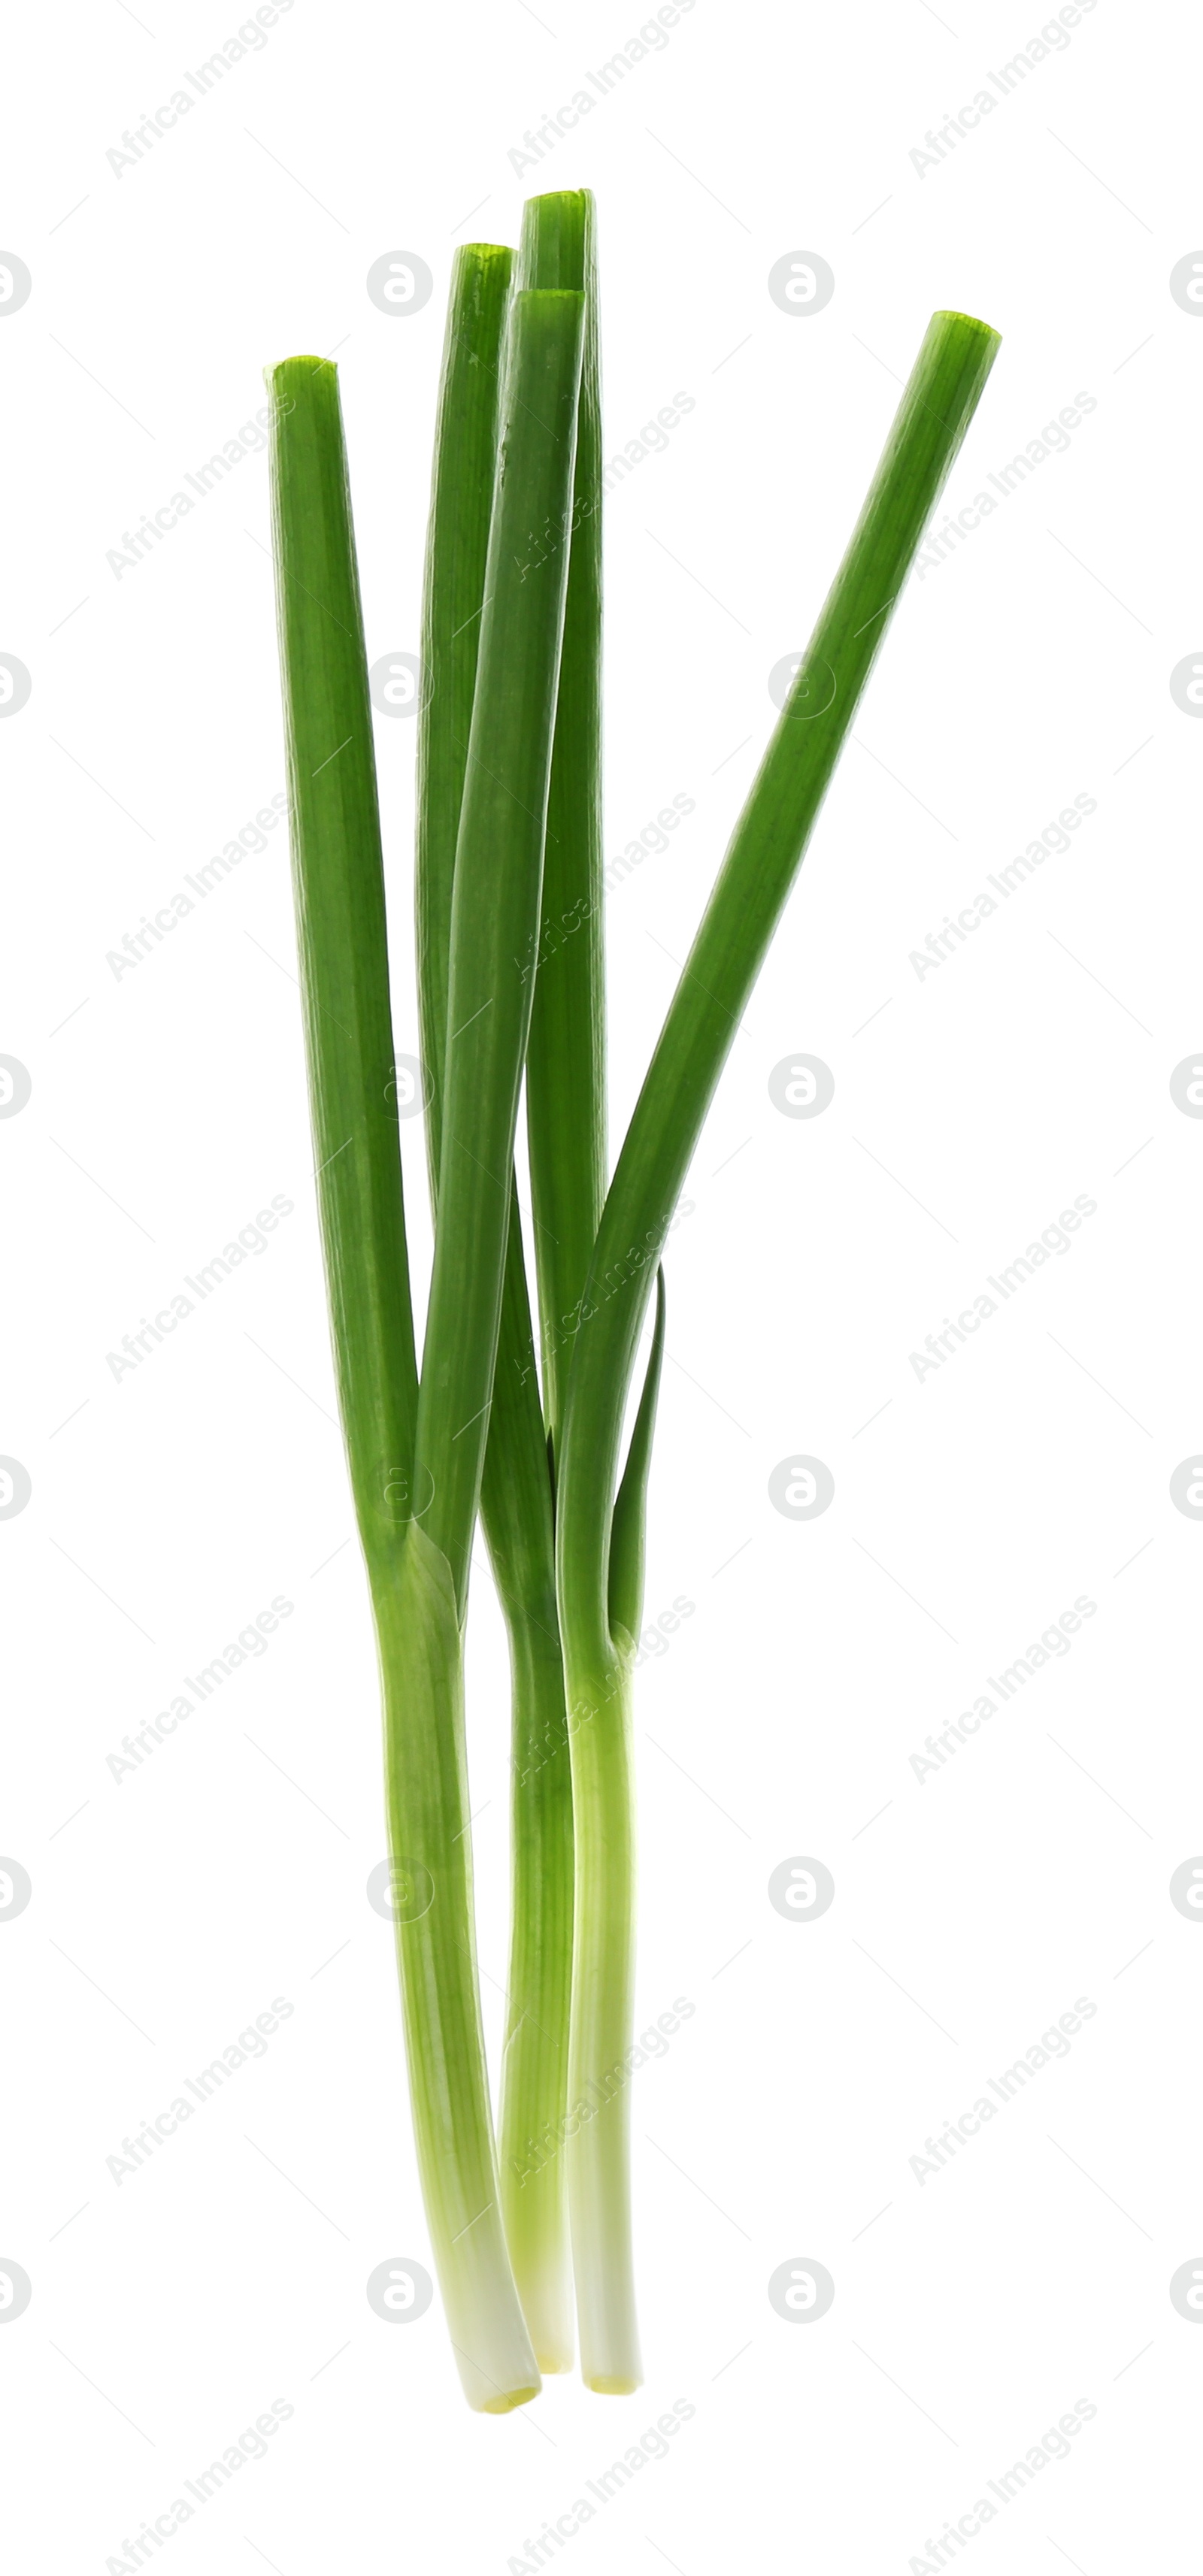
[(744, 909), (516, 1500), (342, 943), (628, 1527)]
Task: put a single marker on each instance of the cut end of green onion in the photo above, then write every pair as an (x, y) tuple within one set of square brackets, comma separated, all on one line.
[(505, 2405), (970, 322), (276, 378)]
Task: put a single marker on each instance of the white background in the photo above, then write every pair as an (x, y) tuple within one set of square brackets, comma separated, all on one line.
[(970, 1107)]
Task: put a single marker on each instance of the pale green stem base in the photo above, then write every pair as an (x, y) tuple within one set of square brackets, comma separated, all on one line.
[(534, 2174), (603, 1998), (426, 1779)]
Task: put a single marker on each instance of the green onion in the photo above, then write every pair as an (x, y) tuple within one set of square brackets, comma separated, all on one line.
[(763, 859), (416, 1499), (516, 1492), (494, 927), (510, 975), (344, 982)]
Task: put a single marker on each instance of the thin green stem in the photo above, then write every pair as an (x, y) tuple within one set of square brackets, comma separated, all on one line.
[(516, 1499), (534, 2095), (457, 546), (566, 1051), (421, 1664), (338, 880), (495, 910), (342, 942), (603, 2007), (743, 912), (745, 907)]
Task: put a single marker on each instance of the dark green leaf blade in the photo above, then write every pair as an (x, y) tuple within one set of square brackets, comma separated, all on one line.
[(566, 1050), (741, 916), (495, 909), (339, 887)]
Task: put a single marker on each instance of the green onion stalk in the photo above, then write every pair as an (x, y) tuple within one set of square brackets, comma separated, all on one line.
[(593, 1537), (416, 1443), (510, 984), (563, 1059)]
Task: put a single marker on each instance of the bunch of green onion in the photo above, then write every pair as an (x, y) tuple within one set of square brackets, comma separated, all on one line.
[(509, 835)]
